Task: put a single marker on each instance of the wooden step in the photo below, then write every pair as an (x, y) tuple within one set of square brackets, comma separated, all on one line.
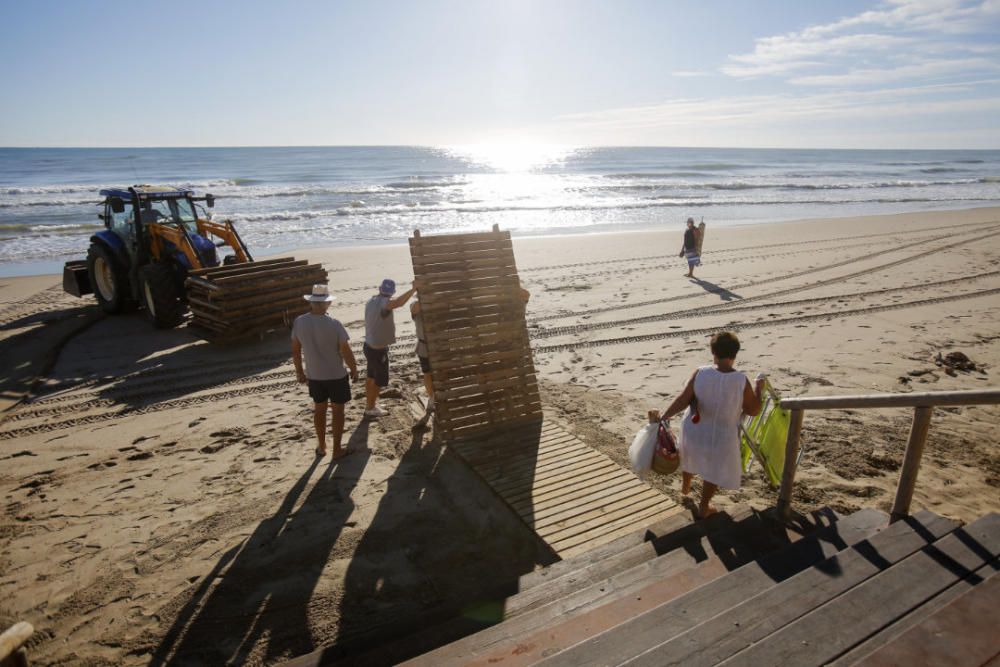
[(962, 633), (847, 620), (730, 545), (744, 624), (594, 573), (694, 606), (604, 551), (470, 622), (917, 615), (533, 647)]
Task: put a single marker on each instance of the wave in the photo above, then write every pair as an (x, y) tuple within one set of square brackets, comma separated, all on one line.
[(26, 227), (94, 189), (744, 185), (420, 209), (422, 185)]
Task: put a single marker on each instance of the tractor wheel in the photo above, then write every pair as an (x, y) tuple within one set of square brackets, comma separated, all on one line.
[(108, 279), (161, 295)]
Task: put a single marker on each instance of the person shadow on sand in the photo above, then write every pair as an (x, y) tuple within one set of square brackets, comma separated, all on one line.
[(260, 589)]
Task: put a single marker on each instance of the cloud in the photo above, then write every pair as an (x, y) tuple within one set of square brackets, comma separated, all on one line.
[(907, 70), (773, 110), (925, 70), (776, 55), (899, 33)]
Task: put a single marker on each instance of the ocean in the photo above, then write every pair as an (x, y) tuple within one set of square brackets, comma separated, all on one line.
[(284, 198)]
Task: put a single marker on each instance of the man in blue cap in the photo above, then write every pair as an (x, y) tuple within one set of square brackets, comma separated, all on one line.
[(380, 333)]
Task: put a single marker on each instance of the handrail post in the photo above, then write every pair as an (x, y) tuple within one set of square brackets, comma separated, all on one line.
[(791, 462), (911, 462), (12, 643)]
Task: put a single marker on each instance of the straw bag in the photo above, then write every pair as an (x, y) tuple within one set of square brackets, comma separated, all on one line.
[(666, 458)]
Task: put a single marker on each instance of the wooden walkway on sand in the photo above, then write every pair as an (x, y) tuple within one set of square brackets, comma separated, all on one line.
[(572, 496)]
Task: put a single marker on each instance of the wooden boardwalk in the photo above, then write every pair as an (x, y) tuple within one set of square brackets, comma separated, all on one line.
[(572, 496)]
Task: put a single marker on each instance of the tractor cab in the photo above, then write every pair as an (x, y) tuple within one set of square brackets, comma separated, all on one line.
[(140, 216)]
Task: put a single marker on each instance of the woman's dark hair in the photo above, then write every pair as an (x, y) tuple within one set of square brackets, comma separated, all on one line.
[(725, 345)]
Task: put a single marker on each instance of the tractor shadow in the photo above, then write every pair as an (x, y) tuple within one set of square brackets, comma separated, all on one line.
[(32, 344), (130, 363)]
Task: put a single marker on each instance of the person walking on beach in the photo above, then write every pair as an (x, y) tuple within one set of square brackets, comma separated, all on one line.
[(716, 398), (326, 345), (690, 248), (380, 333)]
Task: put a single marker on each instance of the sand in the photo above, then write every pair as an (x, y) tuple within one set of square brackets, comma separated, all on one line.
[(162, 502)]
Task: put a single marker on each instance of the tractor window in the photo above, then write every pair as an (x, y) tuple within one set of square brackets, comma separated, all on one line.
[(175, 210), (121, 223)]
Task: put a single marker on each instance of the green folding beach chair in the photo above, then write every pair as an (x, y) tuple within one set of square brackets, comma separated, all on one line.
[(764, 436)]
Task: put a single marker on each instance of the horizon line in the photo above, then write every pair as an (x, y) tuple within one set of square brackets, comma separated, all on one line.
[(567, 145)]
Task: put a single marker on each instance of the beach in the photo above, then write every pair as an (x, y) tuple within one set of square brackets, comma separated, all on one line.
[(162, 503)]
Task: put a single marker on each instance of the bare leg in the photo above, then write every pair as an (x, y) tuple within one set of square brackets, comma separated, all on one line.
[(686, 482), (707, 491), (319, 421), (338, 429), (371, 393)]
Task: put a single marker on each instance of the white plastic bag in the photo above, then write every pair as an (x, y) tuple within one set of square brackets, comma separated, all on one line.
[(640, 452)]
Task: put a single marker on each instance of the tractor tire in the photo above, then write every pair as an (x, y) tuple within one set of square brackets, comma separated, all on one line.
[(161, 295), (108, 279)]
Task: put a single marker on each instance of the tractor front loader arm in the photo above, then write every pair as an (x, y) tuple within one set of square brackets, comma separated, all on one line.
[(227, 233), (159, 233)]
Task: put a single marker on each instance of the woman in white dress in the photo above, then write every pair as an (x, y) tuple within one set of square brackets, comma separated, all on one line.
[(716, 398)]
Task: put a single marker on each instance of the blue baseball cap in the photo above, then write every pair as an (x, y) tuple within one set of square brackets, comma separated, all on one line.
[(388, 287)]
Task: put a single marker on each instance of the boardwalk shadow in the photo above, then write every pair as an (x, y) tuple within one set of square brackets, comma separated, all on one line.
[(260, 590), (712, 288)]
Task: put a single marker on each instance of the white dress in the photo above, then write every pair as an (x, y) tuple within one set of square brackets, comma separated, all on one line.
[(711, 448)]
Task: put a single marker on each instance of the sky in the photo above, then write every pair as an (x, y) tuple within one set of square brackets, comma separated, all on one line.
[(740, 73)]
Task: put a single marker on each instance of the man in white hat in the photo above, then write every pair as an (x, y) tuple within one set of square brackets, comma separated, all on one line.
[(327, 346)]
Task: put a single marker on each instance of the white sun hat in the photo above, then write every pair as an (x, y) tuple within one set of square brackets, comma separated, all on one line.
[(319, 293)]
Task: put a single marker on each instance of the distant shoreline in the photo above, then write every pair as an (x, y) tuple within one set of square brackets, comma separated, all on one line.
[(53, 268)]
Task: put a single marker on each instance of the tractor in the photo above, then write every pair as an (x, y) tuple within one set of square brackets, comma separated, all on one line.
[(152, 238)]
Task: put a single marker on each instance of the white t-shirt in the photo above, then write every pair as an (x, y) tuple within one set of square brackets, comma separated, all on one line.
[(321, 337)]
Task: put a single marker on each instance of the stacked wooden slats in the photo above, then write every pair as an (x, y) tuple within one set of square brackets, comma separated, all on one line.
[(242, 299), (477, 339)]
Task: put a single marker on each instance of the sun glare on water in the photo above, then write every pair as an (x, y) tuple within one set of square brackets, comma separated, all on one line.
[(512, 156)]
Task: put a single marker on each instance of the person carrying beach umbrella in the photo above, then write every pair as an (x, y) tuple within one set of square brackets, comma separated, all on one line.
[(690, 248)]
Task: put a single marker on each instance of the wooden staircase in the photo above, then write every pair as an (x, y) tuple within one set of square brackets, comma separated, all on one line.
[(738, 589)]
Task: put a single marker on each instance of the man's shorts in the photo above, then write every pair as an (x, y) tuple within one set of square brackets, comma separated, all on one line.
[(330, 391), (425, 364), (378, 365)]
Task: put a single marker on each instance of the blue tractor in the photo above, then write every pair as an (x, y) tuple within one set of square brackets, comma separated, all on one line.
[(152, 239)]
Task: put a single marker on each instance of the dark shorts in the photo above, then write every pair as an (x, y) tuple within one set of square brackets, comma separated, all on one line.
[(425, 364), (378, 365), (330, 391)]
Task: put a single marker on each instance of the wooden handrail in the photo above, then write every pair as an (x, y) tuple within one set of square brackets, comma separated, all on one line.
[(914, 400), (923, 404)]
